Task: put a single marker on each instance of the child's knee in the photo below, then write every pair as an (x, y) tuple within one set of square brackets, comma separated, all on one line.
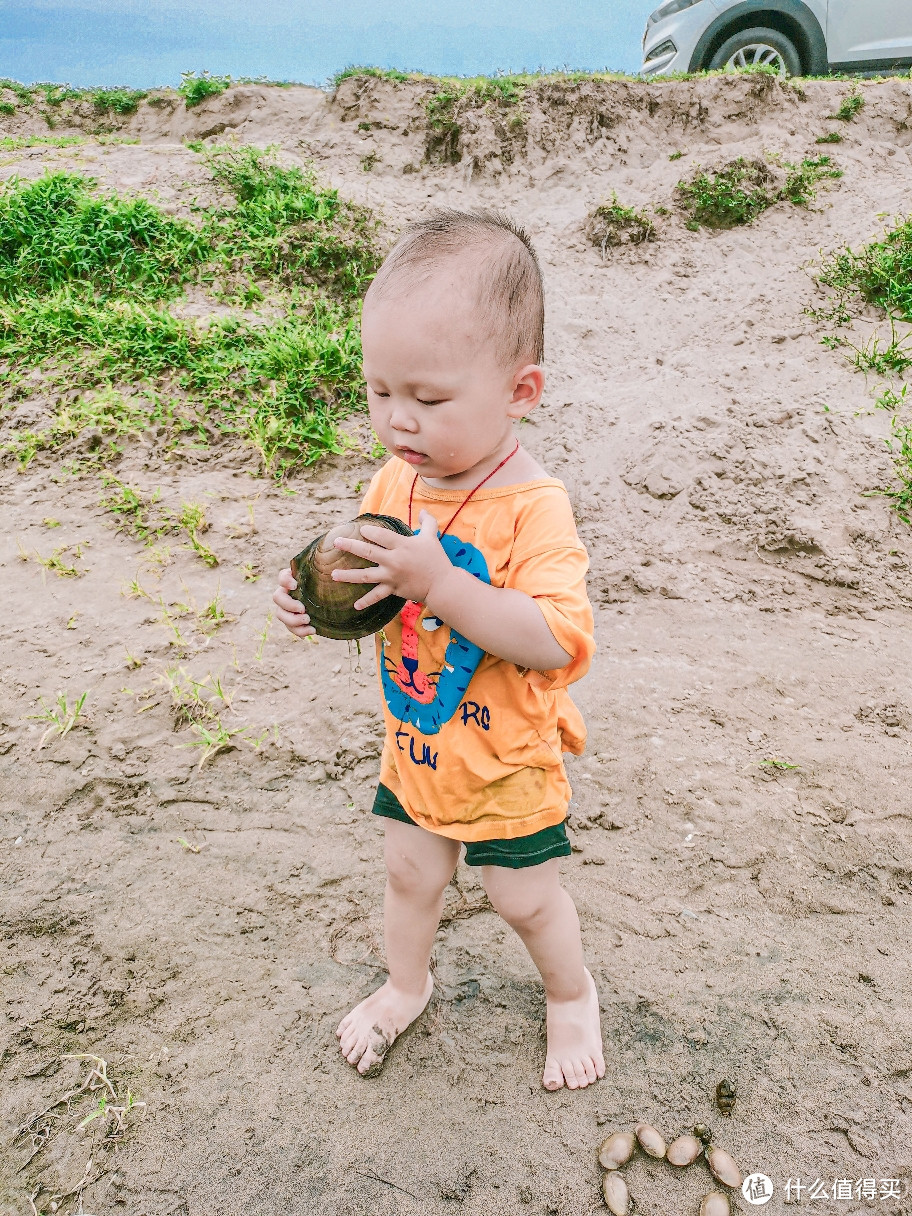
[(409, 877), (523, 905)]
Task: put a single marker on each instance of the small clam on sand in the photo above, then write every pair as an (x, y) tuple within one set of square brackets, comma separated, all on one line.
[(722, 1166), (685, 1150), (616, 1195), (650, 1140), (725, 1097), (715, 1204), (616, 1150)]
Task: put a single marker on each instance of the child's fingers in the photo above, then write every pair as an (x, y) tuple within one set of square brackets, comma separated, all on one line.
[(287, 579), (283, 600), (371, 574), (376, 535), (374, 596), (367, 549), (427, 524), (292, 620)]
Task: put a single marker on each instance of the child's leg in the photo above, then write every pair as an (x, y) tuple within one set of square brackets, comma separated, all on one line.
[(419, 865), (534, 903)]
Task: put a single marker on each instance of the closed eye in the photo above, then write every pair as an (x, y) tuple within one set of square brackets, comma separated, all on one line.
[(438, 402)]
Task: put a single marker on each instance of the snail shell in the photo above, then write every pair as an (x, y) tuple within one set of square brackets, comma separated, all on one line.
[(616, 1151), (702, 1132), (715, 1204), (650, 1140), (726, 1095), (723, 1166), (685, 1150), (616, 1195), (330, 605)]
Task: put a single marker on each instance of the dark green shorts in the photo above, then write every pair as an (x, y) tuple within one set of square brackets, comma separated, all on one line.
[(516, 854)]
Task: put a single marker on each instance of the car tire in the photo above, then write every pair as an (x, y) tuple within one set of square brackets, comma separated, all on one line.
[(758, 45)]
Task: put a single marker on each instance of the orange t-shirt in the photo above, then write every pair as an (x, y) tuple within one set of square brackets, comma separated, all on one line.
[(473, 743)]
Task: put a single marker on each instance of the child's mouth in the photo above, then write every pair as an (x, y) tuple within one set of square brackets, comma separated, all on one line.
[(410, 455)]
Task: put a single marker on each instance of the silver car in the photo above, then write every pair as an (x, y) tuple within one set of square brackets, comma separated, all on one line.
[(796, 37)]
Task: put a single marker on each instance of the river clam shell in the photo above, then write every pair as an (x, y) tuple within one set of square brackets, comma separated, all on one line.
[(650, 1140), (330, 605), (715, 1204), (685, 1150), (723, 1166), (615, 1194), (616, 1150)]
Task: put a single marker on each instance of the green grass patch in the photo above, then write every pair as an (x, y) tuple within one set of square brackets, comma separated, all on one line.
[(116, 101), (196, 87), (801, 180), (12, 143), (86, 284), (900, 493), (445, 107), (55, 233), (24, 93), (613, 224), (831, 137), (353, 69), (744, 188), (851, 107), (733, 195), (879, 274)]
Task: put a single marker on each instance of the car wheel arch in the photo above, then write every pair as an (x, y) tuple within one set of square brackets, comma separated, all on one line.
[(792, 18)]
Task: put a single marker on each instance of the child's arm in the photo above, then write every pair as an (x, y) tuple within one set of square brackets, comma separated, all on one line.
[(502, 621)]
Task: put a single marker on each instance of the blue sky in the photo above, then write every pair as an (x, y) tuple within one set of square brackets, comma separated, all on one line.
[(149, 42)]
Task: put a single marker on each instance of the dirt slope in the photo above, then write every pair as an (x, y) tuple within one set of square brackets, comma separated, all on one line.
[(743, 920)]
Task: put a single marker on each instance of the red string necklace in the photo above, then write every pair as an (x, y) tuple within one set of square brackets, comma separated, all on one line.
[(467, 497)]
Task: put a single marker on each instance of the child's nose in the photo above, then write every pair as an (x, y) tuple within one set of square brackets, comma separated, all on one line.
[(401, 419)]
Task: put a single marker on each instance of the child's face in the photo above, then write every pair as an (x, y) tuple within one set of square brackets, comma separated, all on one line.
[(439, 396)]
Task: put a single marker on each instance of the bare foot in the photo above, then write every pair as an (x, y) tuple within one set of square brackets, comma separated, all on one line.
[(574, 1042), (369, 1031)]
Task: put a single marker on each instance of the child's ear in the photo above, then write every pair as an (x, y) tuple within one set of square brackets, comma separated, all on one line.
[(528, 386)]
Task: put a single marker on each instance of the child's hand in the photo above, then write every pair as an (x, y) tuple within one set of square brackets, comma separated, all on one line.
[(291, 612), (407, 566)]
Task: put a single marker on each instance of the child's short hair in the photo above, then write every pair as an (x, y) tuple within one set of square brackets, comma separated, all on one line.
[(511, 298)]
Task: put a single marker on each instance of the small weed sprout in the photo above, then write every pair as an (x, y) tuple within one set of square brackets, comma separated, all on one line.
[(61, 715), (56, 564), (778, 766), (213, 738), (801, 180), (851, 106), (192, 520), (890, 399), (831, 137), (613, 224), (261, 638)]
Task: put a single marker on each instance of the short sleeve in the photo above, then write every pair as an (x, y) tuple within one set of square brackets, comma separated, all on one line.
[(373, 501), (556, 580)]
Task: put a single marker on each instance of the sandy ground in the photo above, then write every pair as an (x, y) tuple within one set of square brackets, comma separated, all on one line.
[(751, 604)]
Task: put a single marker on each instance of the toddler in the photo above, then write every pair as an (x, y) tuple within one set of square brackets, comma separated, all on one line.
[(474, 670)]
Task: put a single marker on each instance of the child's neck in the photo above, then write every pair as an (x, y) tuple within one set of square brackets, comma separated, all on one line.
[(518, 469)]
